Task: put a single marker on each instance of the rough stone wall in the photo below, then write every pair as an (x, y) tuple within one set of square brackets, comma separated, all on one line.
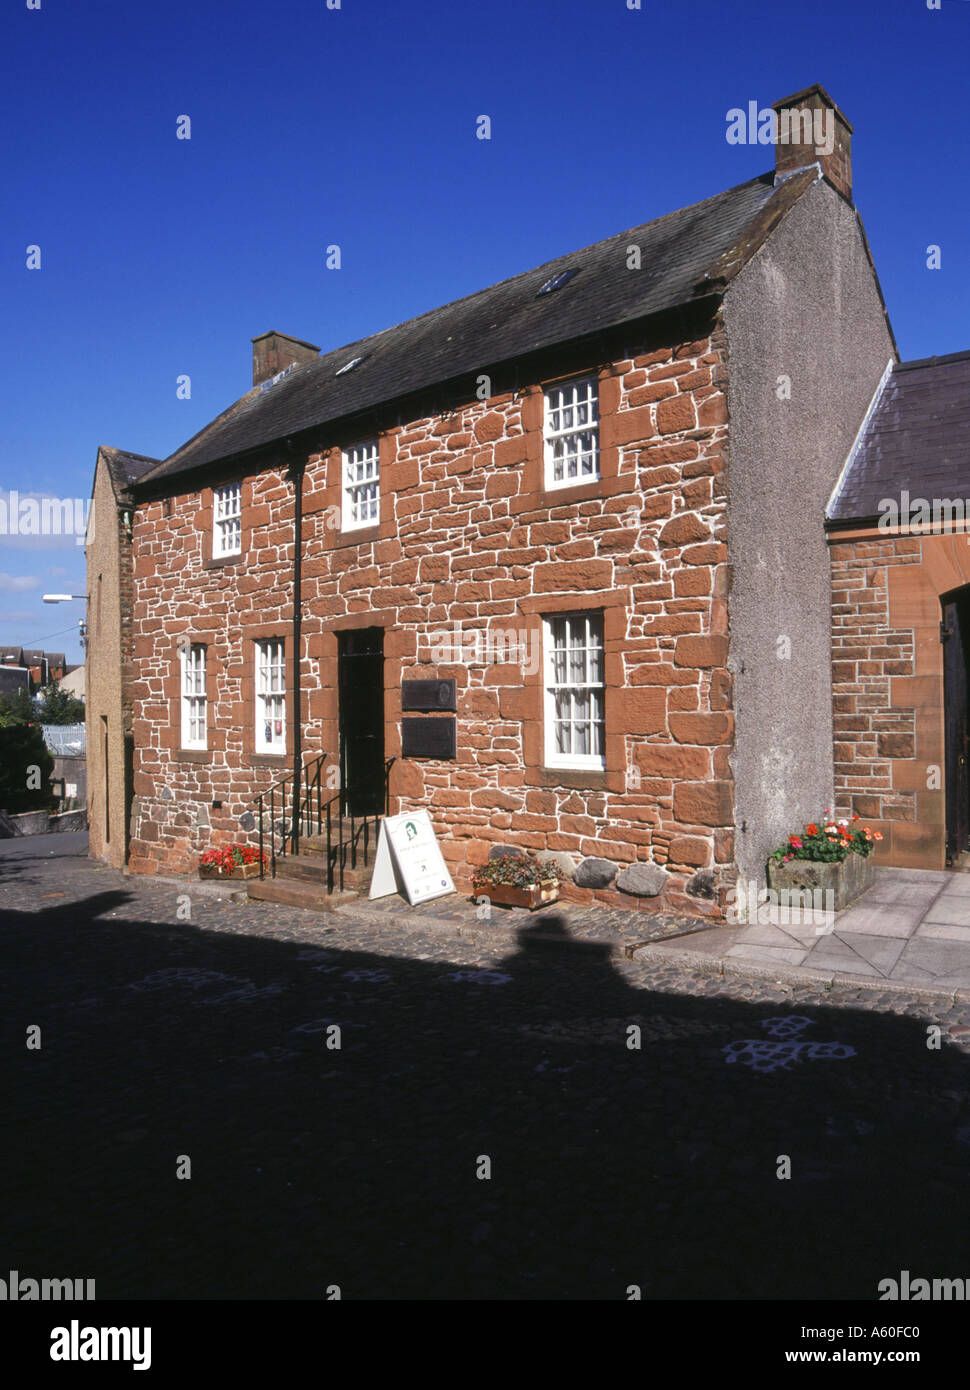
[(469, 537), (887, 681), (108, 615), (809, 343)]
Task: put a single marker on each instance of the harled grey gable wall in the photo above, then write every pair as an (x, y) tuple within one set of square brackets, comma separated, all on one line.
[(806, 306)]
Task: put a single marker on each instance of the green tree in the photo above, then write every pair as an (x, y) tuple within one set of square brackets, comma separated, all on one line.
[(26, 764), (17, 709), (60, 706)]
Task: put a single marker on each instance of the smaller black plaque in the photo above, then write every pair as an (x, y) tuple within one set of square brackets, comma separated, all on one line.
[(428, 695), (428, 738)]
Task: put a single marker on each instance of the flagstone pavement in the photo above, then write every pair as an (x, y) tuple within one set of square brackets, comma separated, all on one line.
[(911, 928)]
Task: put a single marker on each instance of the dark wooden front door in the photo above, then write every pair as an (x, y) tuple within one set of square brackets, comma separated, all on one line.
[(360, 687), (955, 632)]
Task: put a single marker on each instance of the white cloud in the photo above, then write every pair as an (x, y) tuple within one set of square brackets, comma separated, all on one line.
[(17, 583)]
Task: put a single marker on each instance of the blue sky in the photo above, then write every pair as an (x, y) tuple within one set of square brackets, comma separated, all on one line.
[(356, 126)]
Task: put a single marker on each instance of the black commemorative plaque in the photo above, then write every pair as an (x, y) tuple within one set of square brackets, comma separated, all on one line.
[(428, 695), (428, 738)]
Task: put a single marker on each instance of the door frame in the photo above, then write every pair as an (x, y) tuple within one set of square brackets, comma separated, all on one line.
[(360, 800), (955, 642)]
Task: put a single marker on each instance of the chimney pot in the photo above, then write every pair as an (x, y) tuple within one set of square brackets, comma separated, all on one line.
[(811, 129), (273, 352)]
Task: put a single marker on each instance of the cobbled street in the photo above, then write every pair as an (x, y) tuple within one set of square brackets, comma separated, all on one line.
[(361, 1166)]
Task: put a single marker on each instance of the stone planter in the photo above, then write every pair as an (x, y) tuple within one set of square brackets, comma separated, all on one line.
[(508, 895), (846, 879), (240, 871)]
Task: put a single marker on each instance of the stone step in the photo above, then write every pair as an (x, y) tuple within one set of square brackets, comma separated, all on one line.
[(316, 846), (313, 845), (313, 868), (293, 892), (359, 878)]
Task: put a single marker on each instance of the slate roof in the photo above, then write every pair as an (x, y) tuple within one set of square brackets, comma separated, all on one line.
[(125, 467), (692, 251), (917, 439), (14, 654)]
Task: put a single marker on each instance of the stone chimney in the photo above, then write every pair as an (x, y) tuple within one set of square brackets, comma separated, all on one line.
[(274, 352), (811, 129)]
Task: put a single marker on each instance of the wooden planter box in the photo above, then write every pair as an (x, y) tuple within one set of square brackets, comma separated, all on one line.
[(506, 895), (240, 871), (847, 879)]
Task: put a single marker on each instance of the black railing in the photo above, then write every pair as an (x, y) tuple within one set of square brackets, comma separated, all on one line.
[(309, 804), (353, 830), (349, 834)]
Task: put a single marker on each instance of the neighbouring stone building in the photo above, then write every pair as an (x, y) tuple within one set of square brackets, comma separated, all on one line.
[(900, 550), (108, 669), (591, 496)]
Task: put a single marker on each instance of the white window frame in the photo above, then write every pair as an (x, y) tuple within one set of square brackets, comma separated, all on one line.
[(567, 623), (360, 469), (565, 402), (193, 699), (227, 520), (269, 684)]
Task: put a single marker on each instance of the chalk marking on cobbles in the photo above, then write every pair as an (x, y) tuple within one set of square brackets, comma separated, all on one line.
[(762, 1055)]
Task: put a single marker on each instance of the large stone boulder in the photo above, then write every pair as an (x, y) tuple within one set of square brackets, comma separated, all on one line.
[(501, 851), (701, 884), (642, 880), (565, 861), (595, 873)]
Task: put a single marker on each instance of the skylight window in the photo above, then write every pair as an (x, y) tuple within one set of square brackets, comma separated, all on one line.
[(354, 362), (557, 281)]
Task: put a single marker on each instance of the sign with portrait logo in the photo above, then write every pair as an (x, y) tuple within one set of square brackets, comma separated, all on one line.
[(409, 860)]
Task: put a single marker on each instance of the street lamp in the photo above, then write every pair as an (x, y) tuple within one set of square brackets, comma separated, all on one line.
[(66, 598)]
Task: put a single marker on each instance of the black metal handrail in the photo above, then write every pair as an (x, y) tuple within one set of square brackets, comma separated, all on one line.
[(316, 816), (360, 828), (304, 819)]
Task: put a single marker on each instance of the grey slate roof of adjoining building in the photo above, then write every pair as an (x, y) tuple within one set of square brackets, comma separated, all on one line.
[(126, 467), (685, 253), (11, 654), (917, 439)]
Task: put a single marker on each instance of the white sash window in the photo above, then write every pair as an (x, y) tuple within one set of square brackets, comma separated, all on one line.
[(361, 487), (575, 691), (193, 697), (571, 433), (227, 520), (270, 697)]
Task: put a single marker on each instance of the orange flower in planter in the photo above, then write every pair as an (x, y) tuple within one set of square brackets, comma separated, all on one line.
[(827, 841)]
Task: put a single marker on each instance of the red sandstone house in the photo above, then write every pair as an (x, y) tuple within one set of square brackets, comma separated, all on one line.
[(548, 561), (900, 545)]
